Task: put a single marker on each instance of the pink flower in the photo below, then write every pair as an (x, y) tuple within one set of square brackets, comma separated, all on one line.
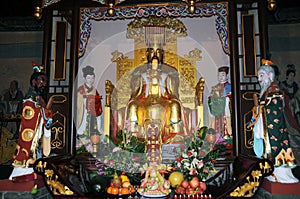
[(274, 148), (182, 147), (275, 112), (270, 126), (193, 172), (136, 159), (202, 153), (200, 164), (286, 142), (111, 162), (116, 149)]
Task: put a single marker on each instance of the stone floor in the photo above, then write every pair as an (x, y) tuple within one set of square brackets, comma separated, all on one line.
[(41, 194)]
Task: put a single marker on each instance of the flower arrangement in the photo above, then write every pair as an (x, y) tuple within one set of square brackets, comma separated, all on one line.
[(124, 154), (197, 156)]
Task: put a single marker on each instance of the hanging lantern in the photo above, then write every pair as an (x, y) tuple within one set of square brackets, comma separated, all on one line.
[(271, 5)]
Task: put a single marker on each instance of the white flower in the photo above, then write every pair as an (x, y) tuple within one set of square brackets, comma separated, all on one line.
[(186, 164), (116, 149), (184, 155), (195, 162)]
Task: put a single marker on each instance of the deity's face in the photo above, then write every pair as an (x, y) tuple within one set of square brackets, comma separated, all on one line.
[(290, 77), (89, 80), (264, 80), (222, 77), (13, 86), (41, 83)]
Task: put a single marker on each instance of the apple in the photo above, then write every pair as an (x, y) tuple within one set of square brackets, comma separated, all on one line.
[(185, 184), (202, 185), (189, 191), (200, 190), (180, 190), (194, 183)]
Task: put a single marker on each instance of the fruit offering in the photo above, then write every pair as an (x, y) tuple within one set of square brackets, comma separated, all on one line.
[(192, 187), (154, 182), (120, 185)]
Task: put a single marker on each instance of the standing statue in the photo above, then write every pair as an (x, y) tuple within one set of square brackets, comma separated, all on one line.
[(35, 133), (291, 89), (89, 106), (270, 133), (219, 103)]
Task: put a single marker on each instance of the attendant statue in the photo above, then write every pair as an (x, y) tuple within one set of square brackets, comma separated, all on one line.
[(89, 106), (35, 133), (271, 139), (219, 103), (154, 99), (291, 89)]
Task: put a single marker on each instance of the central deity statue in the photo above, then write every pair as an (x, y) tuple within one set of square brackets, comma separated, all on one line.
[(154, 111)]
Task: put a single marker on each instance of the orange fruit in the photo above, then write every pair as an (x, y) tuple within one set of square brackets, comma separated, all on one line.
[(109, 189), (115, 190), (125, 191), (131, 189)]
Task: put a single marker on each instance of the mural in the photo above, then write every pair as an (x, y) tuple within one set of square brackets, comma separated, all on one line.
[(196, 45)]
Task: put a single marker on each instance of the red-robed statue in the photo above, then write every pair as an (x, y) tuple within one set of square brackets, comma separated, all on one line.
[(89, 108)]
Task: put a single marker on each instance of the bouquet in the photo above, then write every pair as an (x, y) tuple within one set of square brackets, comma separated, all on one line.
[(197, 156), (125, 154)]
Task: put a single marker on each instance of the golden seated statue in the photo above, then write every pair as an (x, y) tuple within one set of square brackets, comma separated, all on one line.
[(154, 99)]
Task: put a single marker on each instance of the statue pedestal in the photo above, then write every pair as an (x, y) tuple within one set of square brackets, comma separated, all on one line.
[(22, 190), (277, 188)]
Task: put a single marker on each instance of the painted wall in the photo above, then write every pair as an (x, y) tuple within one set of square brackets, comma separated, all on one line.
[(17, 51), (284, 45)]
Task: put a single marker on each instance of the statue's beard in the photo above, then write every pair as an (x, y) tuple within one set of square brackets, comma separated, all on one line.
[(39, 90), (263, 87)]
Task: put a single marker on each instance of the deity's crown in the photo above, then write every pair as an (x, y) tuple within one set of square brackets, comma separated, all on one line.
[(37, 68), (266, 62)]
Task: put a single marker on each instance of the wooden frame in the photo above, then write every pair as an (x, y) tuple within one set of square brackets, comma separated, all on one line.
[(90, 16)]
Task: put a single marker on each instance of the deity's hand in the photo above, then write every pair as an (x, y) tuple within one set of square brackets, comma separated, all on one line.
[(47, 114)]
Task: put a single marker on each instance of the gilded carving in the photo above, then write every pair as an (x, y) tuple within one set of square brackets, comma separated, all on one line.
[(175, 28), (58, 130), (27, 134), (7, 146), (28, 112)]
